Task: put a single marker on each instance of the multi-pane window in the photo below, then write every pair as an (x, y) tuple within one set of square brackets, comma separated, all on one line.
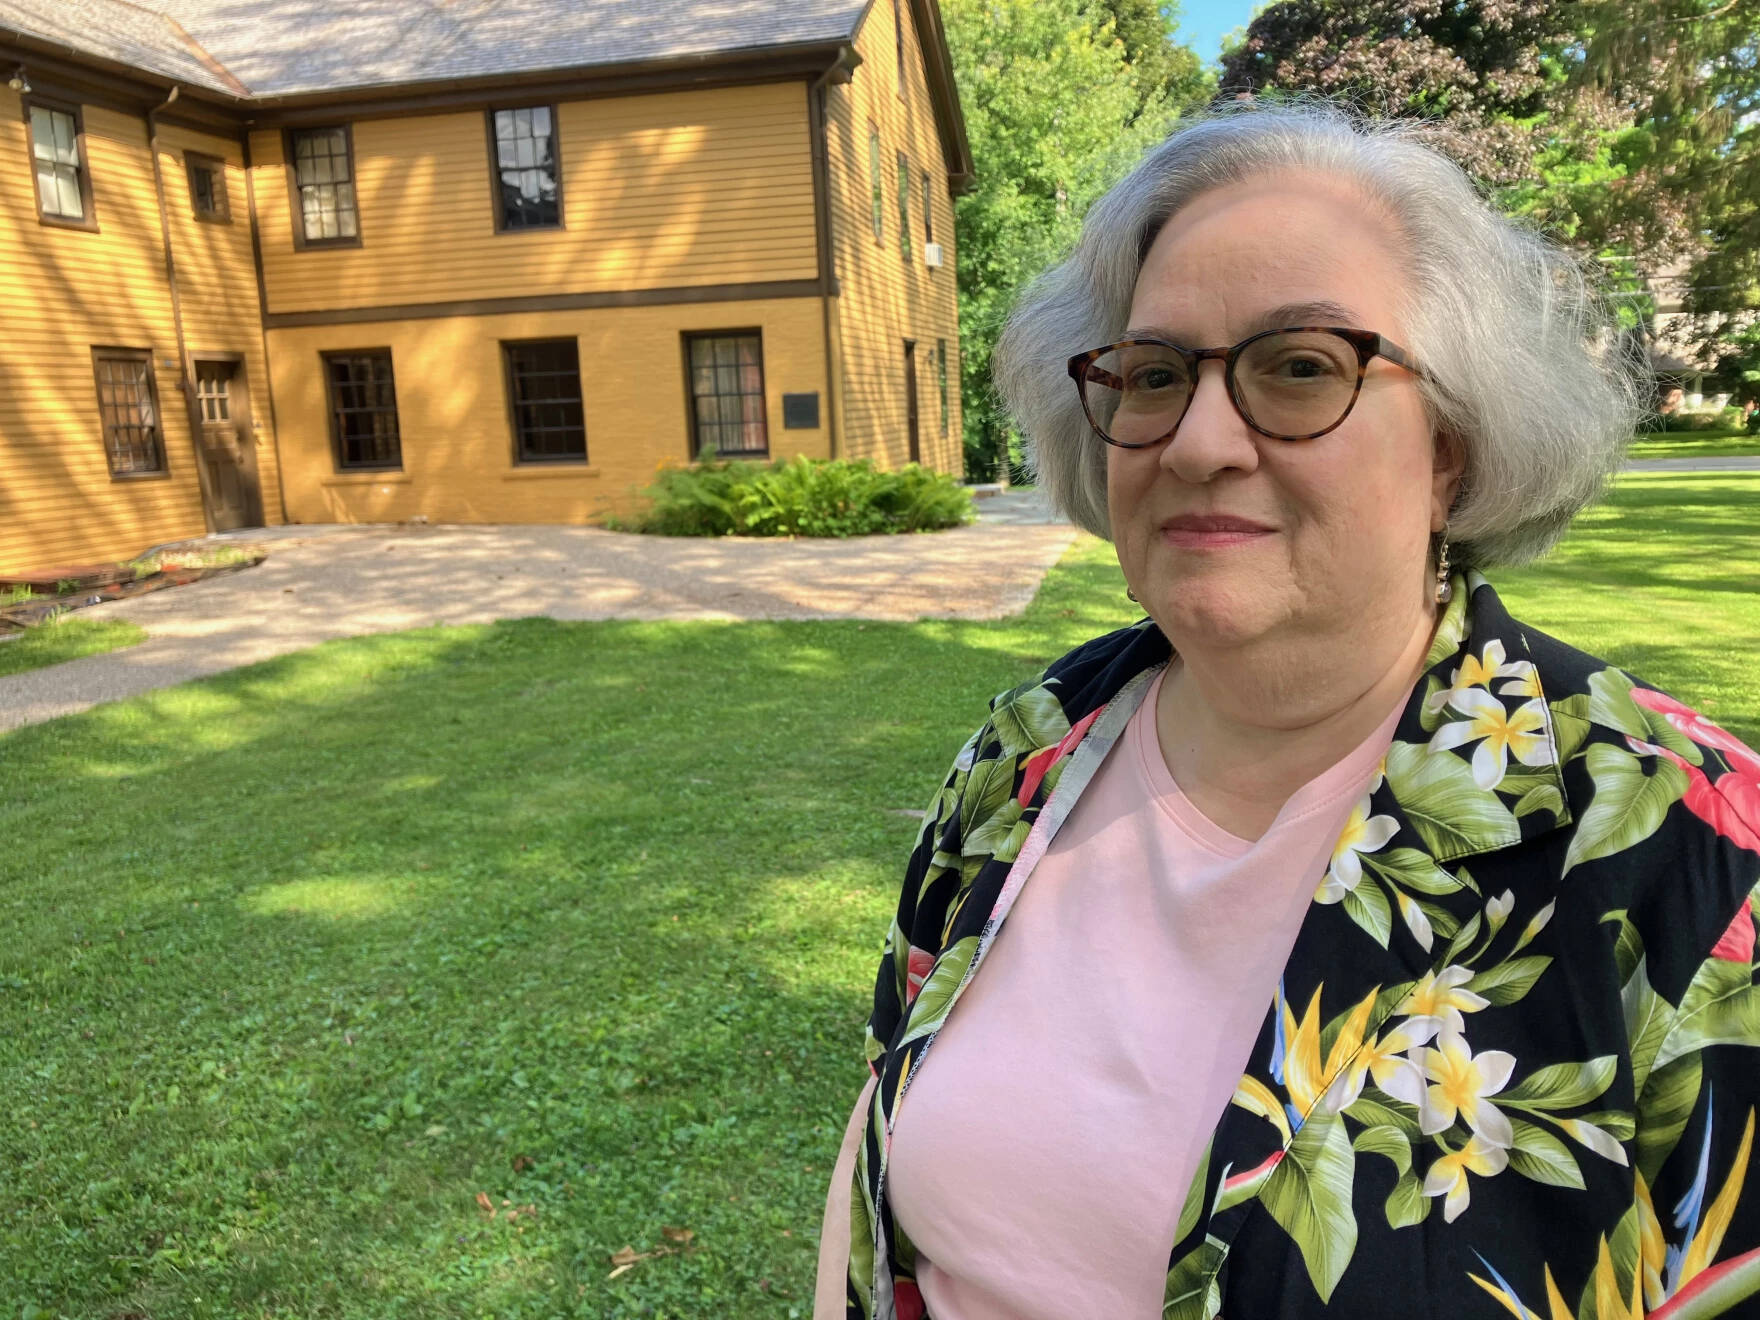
[(879, 191), (941, 379), (904, 204), (129, 406), (727, 394), (898, 39), (214, 392), (544, 393), (363, 409), (928, 212), (57, 149), (527, 180), (207, 187), (323, 174)]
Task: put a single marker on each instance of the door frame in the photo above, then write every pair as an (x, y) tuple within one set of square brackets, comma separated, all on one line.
[(238, 397)]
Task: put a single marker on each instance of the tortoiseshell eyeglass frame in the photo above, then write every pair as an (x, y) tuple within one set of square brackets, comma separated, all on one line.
[(1367, 343)]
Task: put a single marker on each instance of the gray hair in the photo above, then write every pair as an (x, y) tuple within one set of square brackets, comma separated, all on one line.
[(1527, 373)]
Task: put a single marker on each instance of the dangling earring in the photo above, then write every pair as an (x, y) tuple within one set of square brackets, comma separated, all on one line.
[(1132, 596), (1444, 588)]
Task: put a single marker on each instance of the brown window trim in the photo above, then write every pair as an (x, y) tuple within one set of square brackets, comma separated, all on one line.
[(101, 353), (336, 463), (905, 246), (296, 212), (194, 160), (877, 184), (555, 165), (690, 394), (90, 223), (521, 460), (898, 38), (928, 214)]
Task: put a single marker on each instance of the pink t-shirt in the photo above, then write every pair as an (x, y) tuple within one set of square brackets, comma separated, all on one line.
[(1041, 1164)]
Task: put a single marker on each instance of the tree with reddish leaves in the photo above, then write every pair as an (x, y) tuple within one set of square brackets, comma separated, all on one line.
[(1487, 69)]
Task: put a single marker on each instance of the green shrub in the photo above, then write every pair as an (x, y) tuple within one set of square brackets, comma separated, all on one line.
[(801, 497)]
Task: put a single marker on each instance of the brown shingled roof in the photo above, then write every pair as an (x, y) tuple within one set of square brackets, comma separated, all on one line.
[(286, 47)]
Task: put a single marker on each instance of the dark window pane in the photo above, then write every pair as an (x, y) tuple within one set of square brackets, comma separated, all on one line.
[(525, 161), (728, 396), (363, 402), (325, 177), (548, 416), (130, 417)]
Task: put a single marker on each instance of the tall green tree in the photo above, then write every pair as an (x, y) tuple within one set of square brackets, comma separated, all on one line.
[(1689, 73), (1165, 71), (1055, 110)]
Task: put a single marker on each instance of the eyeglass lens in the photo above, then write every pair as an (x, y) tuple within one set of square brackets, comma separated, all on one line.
[(1290, 384)]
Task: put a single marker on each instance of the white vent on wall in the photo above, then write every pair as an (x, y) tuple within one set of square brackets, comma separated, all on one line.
[(931, 254)]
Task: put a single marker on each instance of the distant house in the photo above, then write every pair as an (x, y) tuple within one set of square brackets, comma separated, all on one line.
[(470, 260), (1676, 360)]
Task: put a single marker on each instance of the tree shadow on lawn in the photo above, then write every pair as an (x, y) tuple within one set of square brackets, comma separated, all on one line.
[(299, 960)]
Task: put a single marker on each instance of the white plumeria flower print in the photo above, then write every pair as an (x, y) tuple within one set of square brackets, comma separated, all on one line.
[(1500, 734), (1362, 833), (1390, 1059), (1461, 1083), (1415, 920), (1441, 998), (1480, 672), (1448, 1176)]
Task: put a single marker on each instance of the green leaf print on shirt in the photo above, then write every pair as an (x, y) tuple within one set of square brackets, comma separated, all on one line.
[(1309, 1195), (1453, 815)]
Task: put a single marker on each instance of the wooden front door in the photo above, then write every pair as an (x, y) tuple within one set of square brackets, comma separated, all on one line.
[(228, 445), (910, 398)]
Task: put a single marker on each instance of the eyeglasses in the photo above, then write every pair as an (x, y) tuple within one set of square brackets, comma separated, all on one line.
[(1297, 383)]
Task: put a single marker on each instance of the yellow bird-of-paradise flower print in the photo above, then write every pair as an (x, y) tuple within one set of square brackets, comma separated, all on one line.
[(1669, 1282), (1296, 1062), (1603, 1287), (1500, 734)]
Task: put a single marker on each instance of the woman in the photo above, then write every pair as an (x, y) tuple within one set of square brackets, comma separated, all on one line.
[(1495, 893)]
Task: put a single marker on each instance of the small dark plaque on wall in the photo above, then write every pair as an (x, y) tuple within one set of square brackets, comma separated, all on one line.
[(800, 411)]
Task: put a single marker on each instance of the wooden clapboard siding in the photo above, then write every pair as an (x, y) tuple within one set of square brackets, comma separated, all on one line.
[(64, 291), (885, 299), (217, 284), (453, 415), (659, 191)]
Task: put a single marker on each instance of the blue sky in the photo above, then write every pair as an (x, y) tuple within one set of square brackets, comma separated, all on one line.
[(1203, 23)]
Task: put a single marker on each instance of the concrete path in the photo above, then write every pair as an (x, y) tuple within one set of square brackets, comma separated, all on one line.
[(1694, 465), (324, 582)]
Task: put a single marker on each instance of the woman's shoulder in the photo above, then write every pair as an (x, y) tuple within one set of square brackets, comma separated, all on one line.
[(1086, 677), (1664, 802)]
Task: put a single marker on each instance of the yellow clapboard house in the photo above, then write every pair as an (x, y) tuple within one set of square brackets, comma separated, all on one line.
[(310, 261)]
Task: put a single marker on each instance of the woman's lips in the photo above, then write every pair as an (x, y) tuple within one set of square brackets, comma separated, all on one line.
[(1211, 531)]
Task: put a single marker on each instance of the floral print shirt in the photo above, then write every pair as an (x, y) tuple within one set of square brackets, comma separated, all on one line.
[(1513, 1063)]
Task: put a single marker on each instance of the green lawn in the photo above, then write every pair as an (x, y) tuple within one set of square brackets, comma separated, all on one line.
[(1696, 444), (66, 639), (297, 962)]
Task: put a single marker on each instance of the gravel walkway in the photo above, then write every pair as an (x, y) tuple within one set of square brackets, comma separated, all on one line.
[(324, 582)]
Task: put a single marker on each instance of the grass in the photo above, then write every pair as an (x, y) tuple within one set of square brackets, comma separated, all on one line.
[(1662, 579), (299, 961), (1696, 444), (66, 639)]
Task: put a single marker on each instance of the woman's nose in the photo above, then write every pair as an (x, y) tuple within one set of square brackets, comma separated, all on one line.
[(1212, 437)]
